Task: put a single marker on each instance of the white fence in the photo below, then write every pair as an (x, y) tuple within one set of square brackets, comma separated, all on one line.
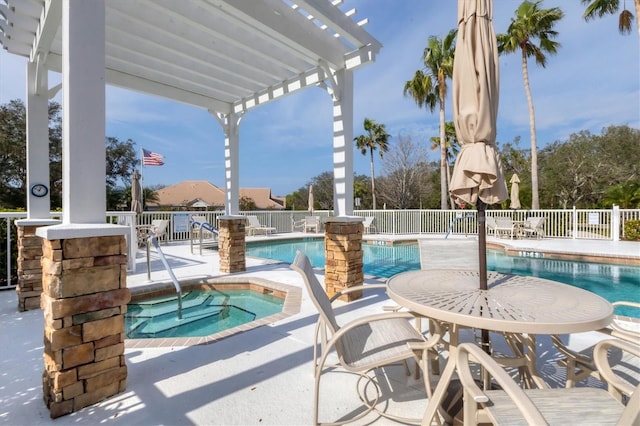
[(574, 224)]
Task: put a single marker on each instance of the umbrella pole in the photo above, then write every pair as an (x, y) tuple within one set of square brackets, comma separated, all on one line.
[(482, 253), (482, 244)]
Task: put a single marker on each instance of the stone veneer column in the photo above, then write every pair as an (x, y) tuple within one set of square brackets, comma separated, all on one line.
[(29, 286), (231, 243), (84, 301), (343, 254)]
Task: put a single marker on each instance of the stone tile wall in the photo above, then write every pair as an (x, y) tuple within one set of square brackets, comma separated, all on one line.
[(343, 254), (84, 300)]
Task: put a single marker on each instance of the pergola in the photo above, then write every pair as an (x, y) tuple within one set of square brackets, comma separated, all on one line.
[(226, 56)]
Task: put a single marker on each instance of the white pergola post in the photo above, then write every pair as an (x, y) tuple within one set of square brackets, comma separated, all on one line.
[(83, 80), (342, 95), (230, 125), (37, 140)]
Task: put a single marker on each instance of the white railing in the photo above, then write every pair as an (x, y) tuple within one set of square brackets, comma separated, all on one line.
[(574, 223)]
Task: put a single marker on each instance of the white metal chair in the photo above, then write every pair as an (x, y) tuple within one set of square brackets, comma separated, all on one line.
[(491, 225), (368, 225), (364, 344), (534, 227), (506, 226), (513, 405), (581, 365), (312, 223)]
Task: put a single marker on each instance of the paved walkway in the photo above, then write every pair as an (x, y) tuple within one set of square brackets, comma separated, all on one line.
[(263, 376)]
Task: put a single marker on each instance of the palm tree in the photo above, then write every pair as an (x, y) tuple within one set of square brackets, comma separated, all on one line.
[(429, 88), (599, 8), (376, 138), (530, 24), (452, 148)]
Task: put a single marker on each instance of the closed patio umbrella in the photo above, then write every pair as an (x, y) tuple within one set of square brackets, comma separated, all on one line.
[(477, 176), (310, 199), (515, 192), (136, 193)]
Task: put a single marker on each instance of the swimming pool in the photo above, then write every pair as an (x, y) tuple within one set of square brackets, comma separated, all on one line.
[(613, 282)]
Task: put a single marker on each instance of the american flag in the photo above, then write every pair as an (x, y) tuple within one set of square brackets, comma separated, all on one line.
[(151, 158)]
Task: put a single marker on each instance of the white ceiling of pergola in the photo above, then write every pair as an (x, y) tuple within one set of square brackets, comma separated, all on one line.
[(221, 55)]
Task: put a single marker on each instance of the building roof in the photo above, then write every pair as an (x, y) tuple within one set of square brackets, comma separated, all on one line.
[(194, 193)]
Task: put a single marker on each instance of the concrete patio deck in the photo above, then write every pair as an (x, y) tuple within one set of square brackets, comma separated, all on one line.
[(261, 376)]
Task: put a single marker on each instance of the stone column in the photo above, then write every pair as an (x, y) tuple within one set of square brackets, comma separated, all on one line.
[(343, 254), (231, 243), (29, 286), (84, 301)]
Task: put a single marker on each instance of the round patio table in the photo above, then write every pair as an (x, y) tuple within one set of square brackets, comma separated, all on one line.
[(511, 304)]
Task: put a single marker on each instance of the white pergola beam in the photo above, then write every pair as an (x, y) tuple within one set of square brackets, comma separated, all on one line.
[(307, 79), (47, 28), (271, 16), (345, 26)]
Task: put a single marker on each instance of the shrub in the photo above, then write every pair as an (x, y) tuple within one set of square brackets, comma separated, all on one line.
[(632, 230)]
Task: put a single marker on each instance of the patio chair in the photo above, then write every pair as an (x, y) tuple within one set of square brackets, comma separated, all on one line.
[(256, 227), (159, 228), (506, 226), (364, 344), (312, 223), (513, 405), (490, 225), (580, 365), (368, 224), (534, 227)]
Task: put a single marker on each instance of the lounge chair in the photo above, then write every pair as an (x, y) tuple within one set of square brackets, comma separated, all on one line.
[(368, 225), (534, 227), (580, 365), (255, 227), (513, 405), (312, 223), (364, 344)]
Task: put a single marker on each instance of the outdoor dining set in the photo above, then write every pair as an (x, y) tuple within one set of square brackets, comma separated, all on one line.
[(497, 388), (502, 227)]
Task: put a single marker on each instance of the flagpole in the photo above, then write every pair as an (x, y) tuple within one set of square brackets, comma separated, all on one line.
[(142, 175)]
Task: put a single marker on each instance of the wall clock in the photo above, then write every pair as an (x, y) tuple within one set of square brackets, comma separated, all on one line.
[(39, 190)]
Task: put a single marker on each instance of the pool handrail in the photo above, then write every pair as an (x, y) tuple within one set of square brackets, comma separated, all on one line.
[(176, 283)]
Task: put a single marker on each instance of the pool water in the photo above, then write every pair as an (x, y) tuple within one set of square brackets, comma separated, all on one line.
[(204, 312), (612, 282)]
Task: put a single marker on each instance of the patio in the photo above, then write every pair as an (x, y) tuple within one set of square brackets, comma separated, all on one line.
[(262, 376)]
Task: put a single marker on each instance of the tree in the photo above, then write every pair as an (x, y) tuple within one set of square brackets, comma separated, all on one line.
[(405, 169), (429, 88), (626, 195), (530, 24), (376, 138), (120, 159), (517, 160), (13, 154), (452, 147), (599, 8), (246, 204)]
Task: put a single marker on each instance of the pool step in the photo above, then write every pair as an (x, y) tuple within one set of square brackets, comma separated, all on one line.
[(167, 324)]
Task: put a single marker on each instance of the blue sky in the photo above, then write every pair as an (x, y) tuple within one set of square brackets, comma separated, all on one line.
[(593, 82)]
